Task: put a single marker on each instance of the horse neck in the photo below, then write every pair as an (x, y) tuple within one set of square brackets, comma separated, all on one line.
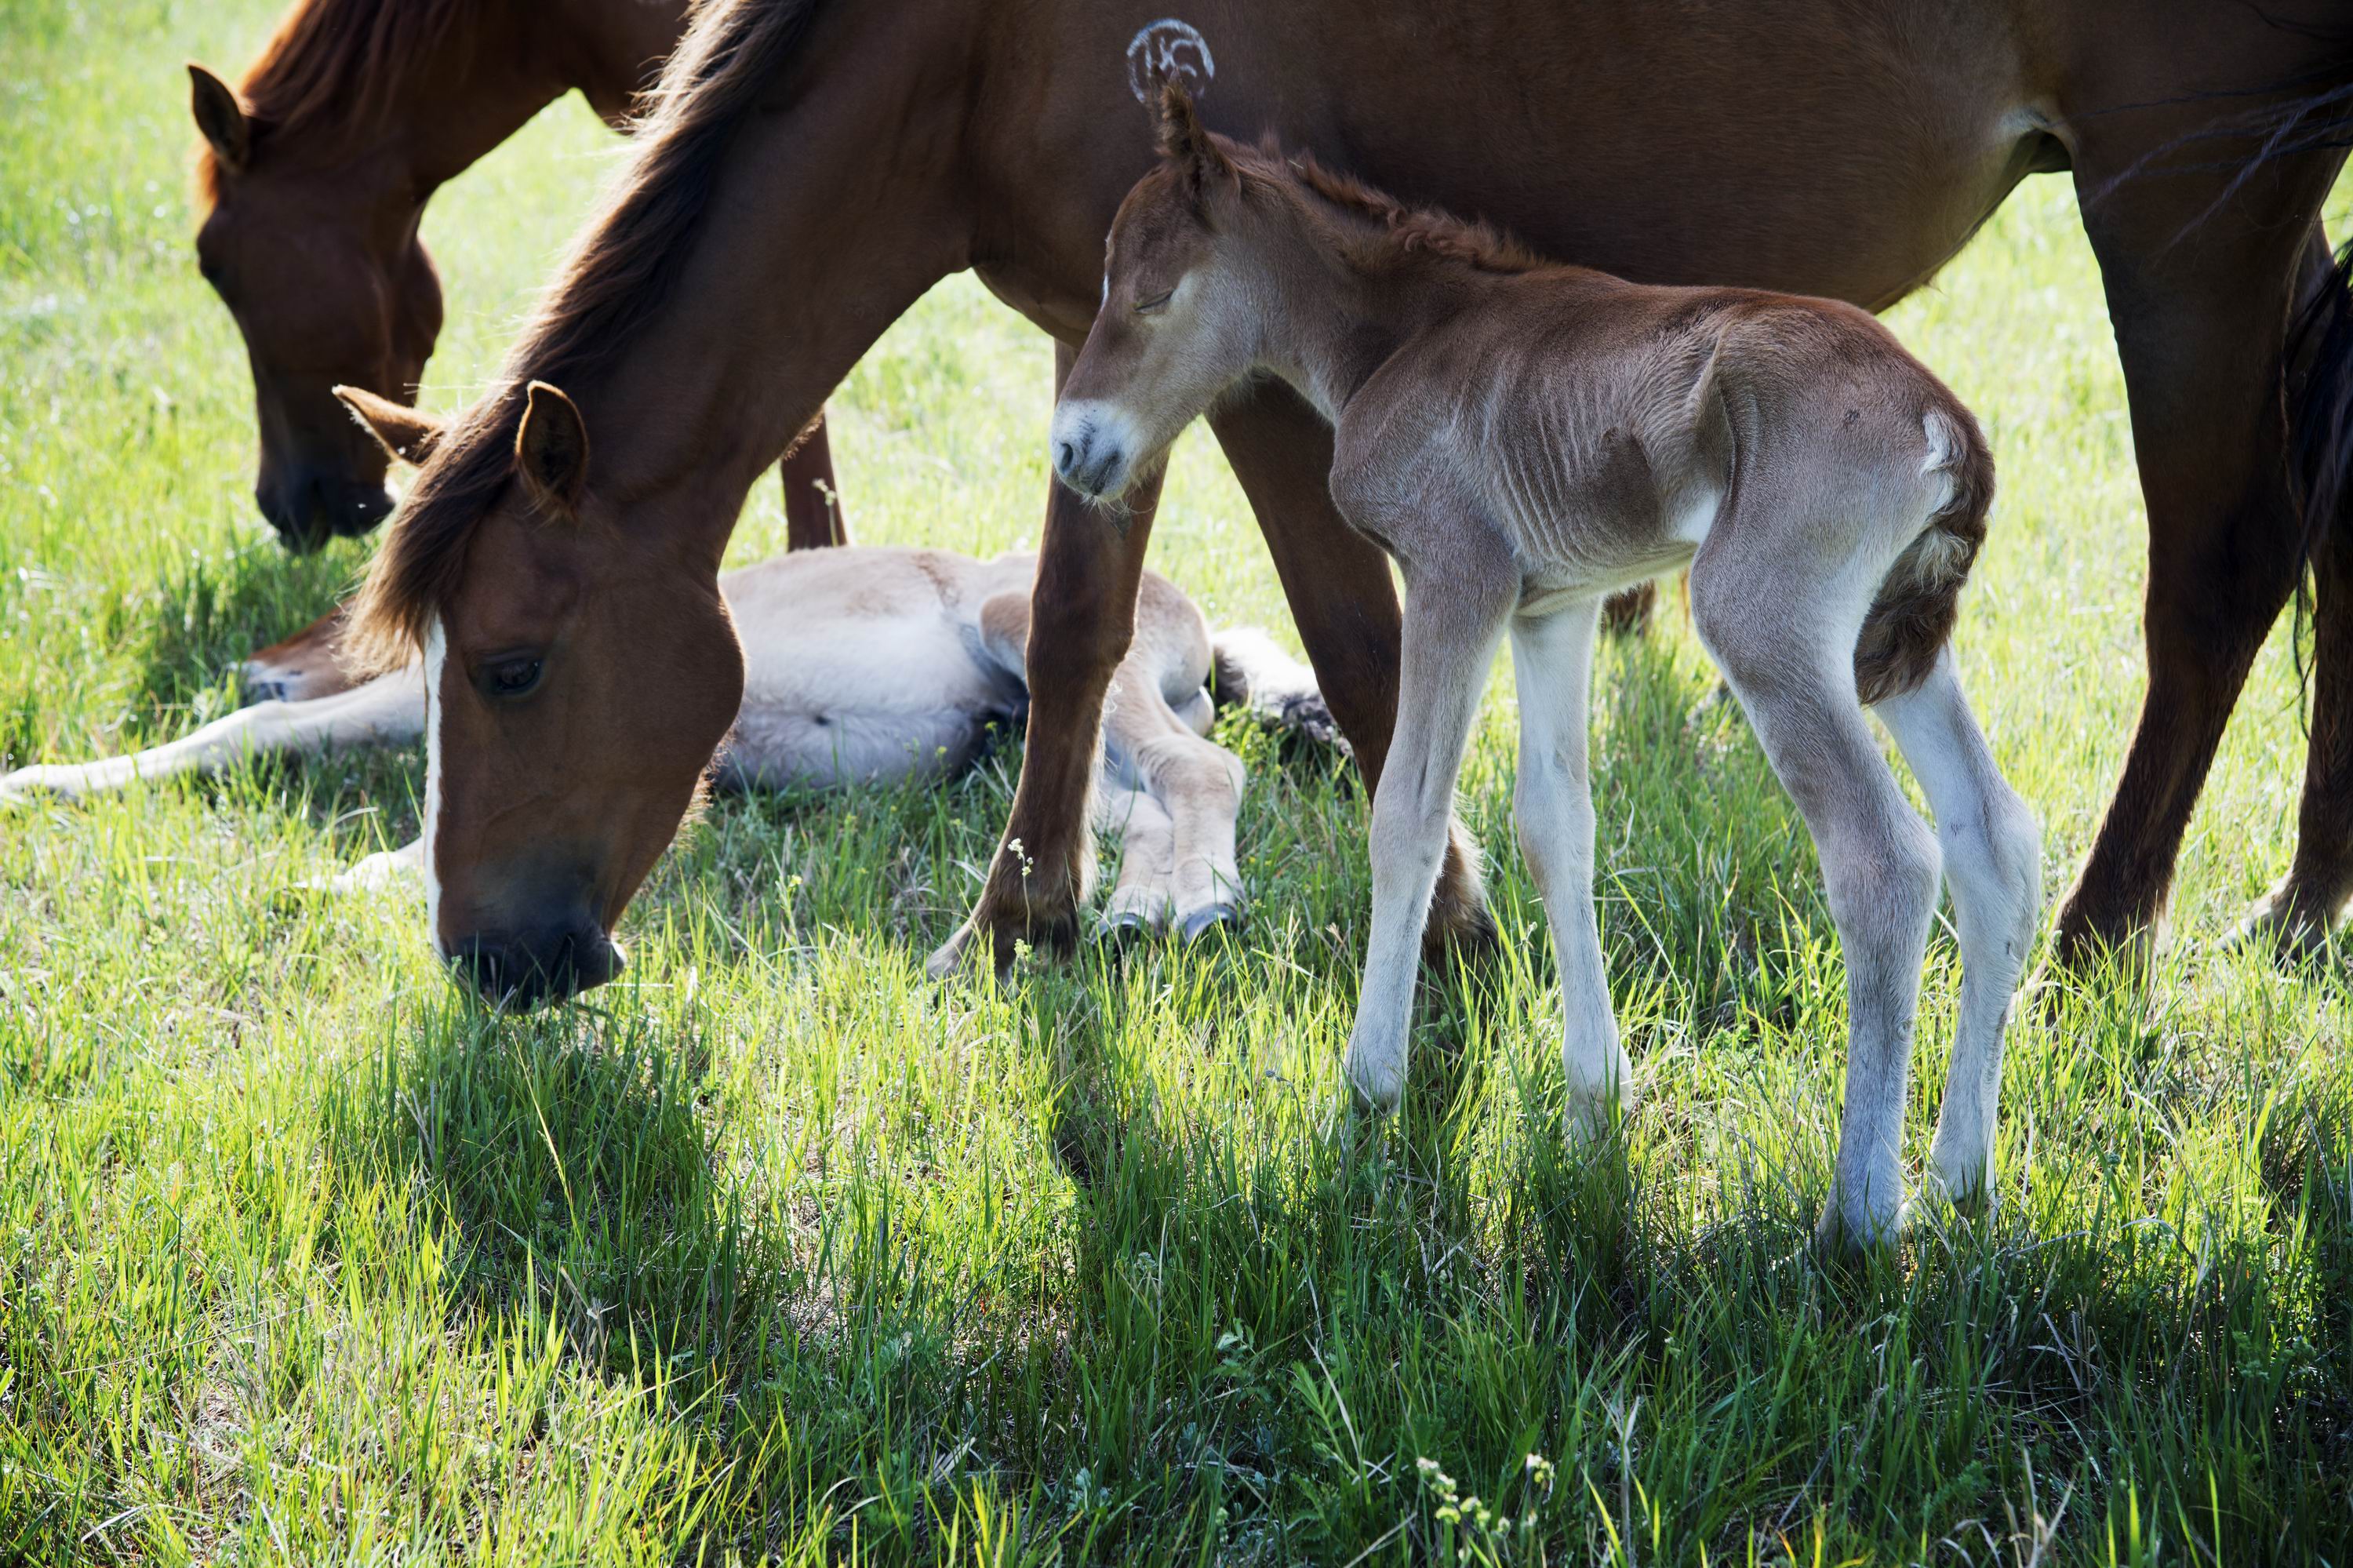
[(480, 83), (775, 295)]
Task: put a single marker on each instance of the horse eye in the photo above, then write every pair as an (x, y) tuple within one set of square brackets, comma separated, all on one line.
[(1157, 302), (512, 677)]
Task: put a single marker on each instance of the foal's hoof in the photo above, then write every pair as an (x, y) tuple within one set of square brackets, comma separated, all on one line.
[(1120, 923), (1375, 1086), (1193, 926), (1841, 1235)]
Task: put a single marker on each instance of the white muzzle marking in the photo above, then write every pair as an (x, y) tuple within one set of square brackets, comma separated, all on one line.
[(1093, 446)]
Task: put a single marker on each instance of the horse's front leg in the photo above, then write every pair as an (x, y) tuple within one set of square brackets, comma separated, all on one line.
[(1344, 605), (1455, 614), (1081, 618)]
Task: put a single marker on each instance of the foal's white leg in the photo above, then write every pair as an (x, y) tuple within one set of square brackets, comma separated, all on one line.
[(387, 710), (1554, 803), (1451, 630), (1993, 863), (1879, 862), (383, 869), (1147, 860)]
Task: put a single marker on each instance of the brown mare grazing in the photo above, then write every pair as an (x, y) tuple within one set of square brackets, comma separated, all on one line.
[(1526, 438), (1843, 148), (314, 176)]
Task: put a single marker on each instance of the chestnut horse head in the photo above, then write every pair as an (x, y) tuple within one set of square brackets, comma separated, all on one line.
[(581, 665), (578, 682), (317, 256)]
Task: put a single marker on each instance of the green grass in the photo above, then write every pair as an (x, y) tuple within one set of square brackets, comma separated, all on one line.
[(774, 1250)]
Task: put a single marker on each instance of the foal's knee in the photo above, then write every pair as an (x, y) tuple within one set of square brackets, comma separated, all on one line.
[(1995, 862), (1885, 883)]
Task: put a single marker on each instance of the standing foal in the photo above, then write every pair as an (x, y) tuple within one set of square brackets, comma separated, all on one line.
[(1527, 439)]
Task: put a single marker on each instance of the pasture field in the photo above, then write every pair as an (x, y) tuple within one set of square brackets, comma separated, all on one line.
[(774, 1251)]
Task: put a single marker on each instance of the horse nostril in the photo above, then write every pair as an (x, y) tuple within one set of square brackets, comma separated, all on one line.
[(1069, 455)]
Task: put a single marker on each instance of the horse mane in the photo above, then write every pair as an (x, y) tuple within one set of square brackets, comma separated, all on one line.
[(344, 60), (620, 271), (1400, 232)]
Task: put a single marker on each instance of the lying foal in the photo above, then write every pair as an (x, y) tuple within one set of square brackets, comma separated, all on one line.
[(862, 665), (1526, 440)]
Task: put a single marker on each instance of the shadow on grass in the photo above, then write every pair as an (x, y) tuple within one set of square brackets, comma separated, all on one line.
[(1242, 1343)]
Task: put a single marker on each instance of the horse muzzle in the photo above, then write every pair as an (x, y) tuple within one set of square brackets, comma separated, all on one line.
[(516, 973), (309, 506)]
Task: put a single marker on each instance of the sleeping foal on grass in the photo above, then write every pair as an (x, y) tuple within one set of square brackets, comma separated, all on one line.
[(863, 665), (1527, 439)]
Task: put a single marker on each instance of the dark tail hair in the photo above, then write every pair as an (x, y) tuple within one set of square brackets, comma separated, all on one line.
[(2320, 414), (1913, 617)]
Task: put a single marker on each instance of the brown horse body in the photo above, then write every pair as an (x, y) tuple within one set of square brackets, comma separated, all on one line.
[(1836, 148), (315, 174)]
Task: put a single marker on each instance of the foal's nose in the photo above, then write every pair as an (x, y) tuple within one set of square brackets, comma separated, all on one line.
[(1085, 458), (1071, 453)]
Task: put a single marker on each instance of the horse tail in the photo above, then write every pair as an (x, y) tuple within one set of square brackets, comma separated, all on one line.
[(2320, 409), (1913, 616)]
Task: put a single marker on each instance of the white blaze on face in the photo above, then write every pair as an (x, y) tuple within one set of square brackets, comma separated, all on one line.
[(436, 655)]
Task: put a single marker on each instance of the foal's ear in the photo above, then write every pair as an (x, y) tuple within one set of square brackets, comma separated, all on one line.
[(551, 448), (220, 116), (409, 434), (1185, 143)]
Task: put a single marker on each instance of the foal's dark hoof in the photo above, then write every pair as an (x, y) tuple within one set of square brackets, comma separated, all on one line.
[(1221, 914)]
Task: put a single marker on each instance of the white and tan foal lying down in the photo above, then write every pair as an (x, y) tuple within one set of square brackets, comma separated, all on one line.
[(862, 665)]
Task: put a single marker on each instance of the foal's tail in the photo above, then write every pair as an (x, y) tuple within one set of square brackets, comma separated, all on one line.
[(1248, 670), (1913, 616)]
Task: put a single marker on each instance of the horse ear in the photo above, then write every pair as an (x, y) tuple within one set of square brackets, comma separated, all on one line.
[(1187, 143), (551, 448), (220, 116), (407, 433)]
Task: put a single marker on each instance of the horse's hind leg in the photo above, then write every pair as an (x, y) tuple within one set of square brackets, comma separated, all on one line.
[(2200, 273), (1147, 857), (1993, 863), (1552, 803), (1791, 666), (813, 518), (2304, 909)]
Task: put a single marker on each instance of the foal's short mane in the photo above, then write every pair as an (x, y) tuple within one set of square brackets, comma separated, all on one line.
[(621, 270), (1404, 230), (341, 59)]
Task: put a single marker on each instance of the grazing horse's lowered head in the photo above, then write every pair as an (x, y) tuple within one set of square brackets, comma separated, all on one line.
[(329, 284), (578, 680)]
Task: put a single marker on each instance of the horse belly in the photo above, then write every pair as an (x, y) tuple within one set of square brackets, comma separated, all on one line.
[(1809, 146)]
